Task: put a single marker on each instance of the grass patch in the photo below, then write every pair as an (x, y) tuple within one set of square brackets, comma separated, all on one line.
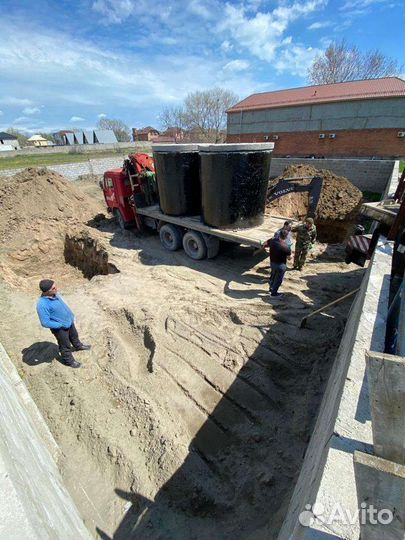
[(371, 196), (42, 160), (401, 166)]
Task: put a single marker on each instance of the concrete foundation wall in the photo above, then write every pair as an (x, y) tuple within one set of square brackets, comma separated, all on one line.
[(34, 502), (366, 174), (344, 423)]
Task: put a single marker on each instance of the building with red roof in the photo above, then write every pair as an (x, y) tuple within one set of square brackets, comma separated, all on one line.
[(147, 133), (351, 119)]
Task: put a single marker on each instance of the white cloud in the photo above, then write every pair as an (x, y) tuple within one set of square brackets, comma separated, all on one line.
[(114, 11), (58, 61), (21, 120), (226, 46), (202, 9), (77, 119), (102, 115), (31, 110), (236, 65), (168, 40), (1, 113), (296, 60), (77, 78), (262, 34), (31, 128), (142, 11), (14, 100), (317, 25), (361, 4)]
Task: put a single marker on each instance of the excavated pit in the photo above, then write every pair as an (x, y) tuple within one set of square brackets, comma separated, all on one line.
[(85, 253), (192, 412)]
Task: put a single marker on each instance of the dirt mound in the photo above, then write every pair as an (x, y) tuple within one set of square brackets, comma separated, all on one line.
[(337, 208), (38, 208)]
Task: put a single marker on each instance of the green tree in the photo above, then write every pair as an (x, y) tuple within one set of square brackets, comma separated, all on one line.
[(121, 130), (19, 135), (342, 62), (48, 136)]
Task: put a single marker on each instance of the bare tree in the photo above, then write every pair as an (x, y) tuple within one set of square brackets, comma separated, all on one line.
[(202, 114), (341, 62), (172, 117), (120, 129)]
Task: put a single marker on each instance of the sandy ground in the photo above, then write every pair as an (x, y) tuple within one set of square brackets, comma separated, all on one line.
[(191, 414)]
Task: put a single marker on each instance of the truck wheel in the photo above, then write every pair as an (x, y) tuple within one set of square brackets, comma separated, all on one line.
[(212, 243), (120, 220), (170, 237), (194, 245)]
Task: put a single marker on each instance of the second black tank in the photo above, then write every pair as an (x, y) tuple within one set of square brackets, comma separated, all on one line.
[(234, 180)]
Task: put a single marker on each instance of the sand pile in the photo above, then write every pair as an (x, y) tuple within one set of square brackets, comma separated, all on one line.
[(337, 208), (38, 208)]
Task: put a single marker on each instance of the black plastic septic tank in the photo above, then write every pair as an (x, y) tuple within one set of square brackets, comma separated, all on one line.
[(178, 178), (234, 179)]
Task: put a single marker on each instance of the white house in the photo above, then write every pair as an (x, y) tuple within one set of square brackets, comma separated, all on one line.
[(8, 142)]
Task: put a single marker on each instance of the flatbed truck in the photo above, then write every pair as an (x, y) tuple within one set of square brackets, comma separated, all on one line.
[(128, 191)]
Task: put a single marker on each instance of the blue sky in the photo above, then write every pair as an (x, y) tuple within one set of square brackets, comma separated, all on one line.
[(65, 64)]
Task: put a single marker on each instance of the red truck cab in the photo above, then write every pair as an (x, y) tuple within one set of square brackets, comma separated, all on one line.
[(117, 192), (129, 186)]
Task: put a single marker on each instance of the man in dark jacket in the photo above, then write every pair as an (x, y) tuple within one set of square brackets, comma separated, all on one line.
[(279, 252), (58, 317)]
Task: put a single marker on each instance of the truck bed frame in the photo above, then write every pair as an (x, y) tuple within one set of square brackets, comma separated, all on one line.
[(254, 236)]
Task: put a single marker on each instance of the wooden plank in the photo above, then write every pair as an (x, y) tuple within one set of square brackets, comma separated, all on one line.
[(380, 486), (383, 214), (253, 236), (386, 380)]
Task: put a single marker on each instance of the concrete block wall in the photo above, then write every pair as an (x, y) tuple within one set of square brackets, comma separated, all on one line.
[(73, 170), (34, 502), (366, 174), (80, 149)]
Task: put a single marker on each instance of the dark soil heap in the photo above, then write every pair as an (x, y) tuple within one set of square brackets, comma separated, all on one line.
[(338, 205)]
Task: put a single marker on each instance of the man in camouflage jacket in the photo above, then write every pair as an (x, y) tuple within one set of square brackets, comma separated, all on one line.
[(306, 236)]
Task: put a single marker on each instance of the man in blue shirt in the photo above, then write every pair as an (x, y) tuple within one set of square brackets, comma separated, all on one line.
[(58, 317), (286, 227)]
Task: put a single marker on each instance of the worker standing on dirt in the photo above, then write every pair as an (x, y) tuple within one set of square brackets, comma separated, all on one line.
[(306, 236), (58, 317), (279, 253), (286, 227)]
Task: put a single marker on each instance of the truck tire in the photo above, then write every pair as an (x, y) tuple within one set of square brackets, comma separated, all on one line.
[(170, 237), (120, 220), (212, 243), (194, 245)]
